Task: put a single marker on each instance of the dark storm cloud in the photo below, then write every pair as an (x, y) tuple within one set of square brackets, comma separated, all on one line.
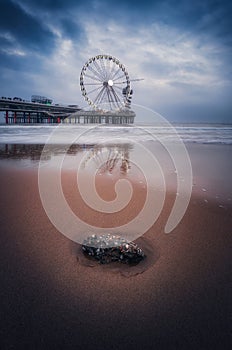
[(69, 28), (53, 5), (24, 35), (62, 15), (208, 18), (27, 31)]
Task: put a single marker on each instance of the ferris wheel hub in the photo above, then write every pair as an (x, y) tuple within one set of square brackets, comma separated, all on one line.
[(108, 83)]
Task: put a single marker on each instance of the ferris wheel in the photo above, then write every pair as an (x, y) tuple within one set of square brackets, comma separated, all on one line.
[(105, 83)]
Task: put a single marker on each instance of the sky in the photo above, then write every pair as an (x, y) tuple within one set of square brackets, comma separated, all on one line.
[(182, 49)]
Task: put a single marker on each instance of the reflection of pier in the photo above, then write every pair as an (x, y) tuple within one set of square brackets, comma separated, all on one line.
[(20, 151), (114, 155), (34, 151)]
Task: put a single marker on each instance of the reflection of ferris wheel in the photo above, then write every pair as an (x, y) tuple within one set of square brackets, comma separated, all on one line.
[(105, 83)]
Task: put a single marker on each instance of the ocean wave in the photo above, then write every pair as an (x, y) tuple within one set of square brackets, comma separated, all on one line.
[(89, 134)]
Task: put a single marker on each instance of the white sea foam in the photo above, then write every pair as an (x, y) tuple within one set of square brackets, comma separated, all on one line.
[(92, 134)]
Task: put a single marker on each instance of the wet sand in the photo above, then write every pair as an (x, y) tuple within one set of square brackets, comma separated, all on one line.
[(51, 301)]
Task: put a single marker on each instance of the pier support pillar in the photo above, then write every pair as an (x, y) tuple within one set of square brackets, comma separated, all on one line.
[(7, 117)]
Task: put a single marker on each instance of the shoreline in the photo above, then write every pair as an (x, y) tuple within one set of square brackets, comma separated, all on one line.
[(211, 165)]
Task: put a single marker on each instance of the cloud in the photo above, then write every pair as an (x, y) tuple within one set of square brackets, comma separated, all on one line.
[(164, 56), (181, 50), (27, 31)]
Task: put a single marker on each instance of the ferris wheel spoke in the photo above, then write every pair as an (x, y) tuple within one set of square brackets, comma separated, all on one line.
[(90, 92), (111, 100), (103, 69), (112, 72), (109, 96), (103, 95), (115, 95), (93, 83), (98, 97), (96, 100), (96, 73), (120, 82), (119, 70), (92, 77), (99, 69), (108, 69), (115, 98), (119, 88), (121, 76)]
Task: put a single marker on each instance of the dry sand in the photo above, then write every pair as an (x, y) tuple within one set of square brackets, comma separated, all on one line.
[(50, 301)]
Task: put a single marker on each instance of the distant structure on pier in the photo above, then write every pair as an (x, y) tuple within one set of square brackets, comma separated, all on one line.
[(106, 87), (41, 99), (39, 110)]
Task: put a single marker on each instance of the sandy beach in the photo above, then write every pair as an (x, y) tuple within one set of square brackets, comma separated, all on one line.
[(49, 300)]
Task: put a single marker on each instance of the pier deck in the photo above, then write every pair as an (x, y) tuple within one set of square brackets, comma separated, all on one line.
[(21, 112)]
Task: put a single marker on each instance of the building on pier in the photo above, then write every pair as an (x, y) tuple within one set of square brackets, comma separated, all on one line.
[(41, 99)]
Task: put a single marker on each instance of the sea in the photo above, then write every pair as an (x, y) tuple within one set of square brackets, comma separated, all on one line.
[(94, 134), (203, 165)]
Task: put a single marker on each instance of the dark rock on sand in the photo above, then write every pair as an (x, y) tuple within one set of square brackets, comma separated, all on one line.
[(110, 248)]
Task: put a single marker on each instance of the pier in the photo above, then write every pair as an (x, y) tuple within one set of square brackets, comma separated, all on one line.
[(101, 117), (23, 112)]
